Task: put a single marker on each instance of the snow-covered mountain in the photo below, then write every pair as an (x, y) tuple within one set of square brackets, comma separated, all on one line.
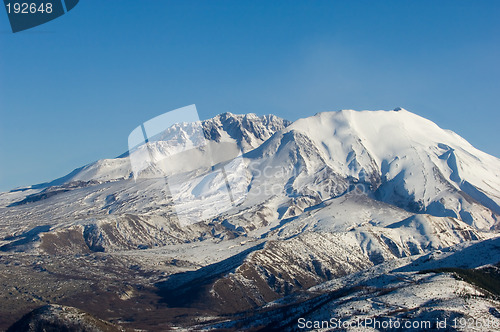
[(227, 135), (276, 209), (402, 158)]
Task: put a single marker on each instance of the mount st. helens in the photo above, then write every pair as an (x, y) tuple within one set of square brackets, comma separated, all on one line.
[(337, 196)]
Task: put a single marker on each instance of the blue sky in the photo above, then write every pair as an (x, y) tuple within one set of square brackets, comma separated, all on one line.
[(73, 89)]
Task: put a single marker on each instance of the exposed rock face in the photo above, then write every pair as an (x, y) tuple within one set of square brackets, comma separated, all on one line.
[(331, 201), (57, 318)]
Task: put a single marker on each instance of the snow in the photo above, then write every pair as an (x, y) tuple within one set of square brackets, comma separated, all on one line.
[(370, 197)]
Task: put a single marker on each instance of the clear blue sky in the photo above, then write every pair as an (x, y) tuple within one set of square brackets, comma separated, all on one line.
[(72, 90)]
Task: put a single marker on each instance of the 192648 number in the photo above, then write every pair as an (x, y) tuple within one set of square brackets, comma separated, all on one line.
[(29, 8)]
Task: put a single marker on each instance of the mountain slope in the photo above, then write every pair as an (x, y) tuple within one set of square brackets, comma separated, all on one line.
[(328, 198), (238, 133), (398, 156), (61, 318), (402, 158)]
